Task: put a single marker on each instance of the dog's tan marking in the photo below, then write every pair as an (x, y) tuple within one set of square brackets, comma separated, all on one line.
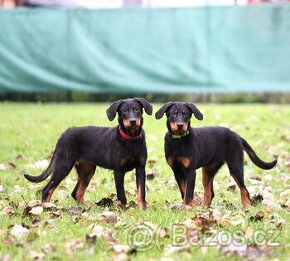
[(183, 186), (246, 201), (124, 161), (50, 192), (188, 203), (85, 172), (184, 161), (207, 182), (170, 161), (127, 122), (141, 203), (174, 128), (245, 197), (142, 160)]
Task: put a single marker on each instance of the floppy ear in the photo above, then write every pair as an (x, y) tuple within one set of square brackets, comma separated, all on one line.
[(195, 111), (112, 110), (145, 104), (164, 108)]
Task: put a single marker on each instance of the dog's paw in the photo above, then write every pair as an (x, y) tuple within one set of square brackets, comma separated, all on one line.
[(142, 205), (187, 207)]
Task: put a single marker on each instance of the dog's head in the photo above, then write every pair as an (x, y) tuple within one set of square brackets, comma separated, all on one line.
[(129, 113), (178, 116)]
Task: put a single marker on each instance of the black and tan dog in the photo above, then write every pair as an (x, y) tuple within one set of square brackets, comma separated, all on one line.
[(121, 148), (187, 149)]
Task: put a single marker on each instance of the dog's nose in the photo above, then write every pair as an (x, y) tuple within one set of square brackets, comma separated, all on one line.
[(133, 121), (179, 126)]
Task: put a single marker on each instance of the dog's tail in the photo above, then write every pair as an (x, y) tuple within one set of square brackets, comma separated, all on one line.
[(255, 159), (44, 174)]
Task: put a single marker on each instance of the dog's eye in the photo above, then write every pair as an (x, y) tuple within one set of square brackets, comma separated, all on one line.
[(184, 113), (135, 108), (125, 109), (174, 113)]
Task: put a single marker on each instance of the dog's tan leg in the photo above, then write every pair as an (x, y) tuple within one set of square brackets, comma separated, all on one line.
[(85, 172), (207, 182)]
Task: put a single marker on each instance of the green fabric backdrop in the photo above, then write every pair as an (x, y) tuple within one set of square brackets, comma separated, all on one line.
[(212, 49)]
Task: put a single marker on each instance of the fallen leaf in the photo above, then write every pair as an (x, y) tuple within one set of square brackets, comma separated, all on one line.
[(36, 221), (2, 166), (108, 216), (284, 196), (217, 215), (120, 257), (163, 232), (254, 181), (249, 233), (19, 230), (49, 248), (277, 220), (36, 255), (169, 250), (204, 221), (49, 205), (4, 257), (257, 198), (258, 217), (40, 165), (8, 240), (232, 187), (8, 211), (11, 165), (123, 249), (150, 176), (234, 249), (36, 210), (105, 202), (34, 206), (73, 245), (76, 211), (19, 157)]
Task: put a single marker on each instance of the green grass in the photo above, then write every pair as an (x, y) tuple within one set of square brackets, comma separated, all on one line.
[(31, 130)]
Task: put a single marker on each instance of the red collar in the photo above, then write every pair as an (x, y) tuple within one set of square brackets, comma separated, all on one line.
[(128, 137)]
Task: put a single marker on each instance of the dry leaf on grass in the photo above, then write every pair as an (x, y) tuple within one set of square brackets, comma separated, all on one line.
[(39, 165), (11, 165), (205, 221), (234, 248), (18, 230), (8, 211), (169, 250), (108, 217), (72, 246), (4, 257), (8, 240), (150, 176), (99, 231), (2, 166), (33, 208), (120, 257), (36, 255), (36, 210), (105, 202), (122, 249), (258, 217)]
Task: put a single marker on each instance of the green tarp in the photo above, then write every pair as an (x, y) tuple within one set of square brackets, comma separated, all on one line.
[(207, 49)]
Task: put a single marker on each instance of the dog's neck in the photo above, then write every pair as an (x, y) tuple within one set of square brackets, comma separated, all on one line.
[(130, 134), (178, 136)]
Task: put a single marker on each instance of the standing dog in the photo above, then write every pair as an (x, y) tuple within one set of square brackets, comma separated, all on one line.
[(121, 148), (187, 149)]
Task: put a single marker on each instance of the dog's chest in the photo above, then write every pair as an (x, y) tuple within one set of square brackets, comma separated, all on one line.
[(131, 157)]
